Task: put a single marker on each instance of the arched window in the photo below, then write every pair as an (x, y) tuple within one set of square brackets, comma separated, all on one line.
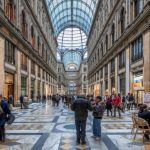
[(106, 42), (24, 25), (122, 20), (10, 10), (113, 34), (32, 36)]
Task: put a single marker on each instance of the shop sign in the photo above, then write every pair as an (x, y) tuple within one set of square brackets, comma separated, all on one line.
[(137, 85), (147, 98)]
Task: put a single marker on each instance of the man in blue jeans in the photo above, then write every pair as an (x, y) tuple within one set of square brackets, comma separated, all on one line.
[(98, 111), (81, 107)]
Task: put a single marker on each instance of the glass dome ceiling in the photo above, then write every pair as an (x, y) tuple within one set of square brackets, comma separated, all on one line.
[(71, 39), (72, 20), (72, 57)]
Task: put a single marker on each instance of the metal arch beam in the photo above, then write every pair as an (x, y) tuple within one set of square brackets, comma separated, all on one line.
[(67, 25), (78, 55), (72, 51), (63, 10), (64, 17), (76, 26), (51, 1), (64, 1)]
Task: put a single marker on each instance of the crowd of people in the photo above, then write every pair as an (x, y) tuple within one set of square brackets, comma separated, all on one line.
[(112, 104), (81, 105)]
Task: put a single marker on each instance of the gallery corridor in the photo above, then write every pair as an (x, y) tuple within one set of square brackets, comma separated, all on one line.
[(43, 127)]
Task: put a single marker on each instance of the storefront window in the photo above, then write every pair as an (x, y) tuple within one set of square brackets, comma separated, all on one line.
[(9, 85), (138, 86), (23, 85)]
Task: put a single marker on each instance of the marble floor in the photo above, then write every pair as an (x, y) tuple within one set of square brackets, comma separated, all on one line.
[(43, 127)]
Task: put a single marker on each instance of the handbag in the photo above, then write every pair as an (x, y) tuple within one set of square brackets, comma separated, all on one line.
[(10, 119)]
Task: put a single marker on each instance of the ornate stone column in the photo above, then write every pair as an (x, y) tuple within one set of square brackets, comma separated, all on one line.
[(146, 52), (29, 79), (127, 75), (116, 75), (2, 71), (109, 79), (17, 87)]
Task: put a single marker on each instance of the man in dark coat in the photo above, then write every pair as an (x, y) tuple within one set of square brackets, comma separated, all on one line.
[(4, 110), (21, 101), (81, 107)]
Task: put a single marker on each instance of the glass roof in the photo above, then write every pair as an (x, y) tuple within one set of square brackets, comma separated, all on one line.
[(71, 39), (72, 57), (72, 20), (65, 13)]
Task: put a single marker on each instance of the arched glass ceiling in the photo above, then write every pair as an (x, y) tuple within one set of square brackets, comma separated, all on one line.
[(72, 57), (65, 13), (71, 39)]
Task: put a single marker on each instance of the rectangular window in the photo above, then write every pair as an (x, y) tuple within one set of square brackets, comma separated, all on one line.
[(138, 7), (39, 74), (9, 52), (23, 62), (33, 67), (106, 69), (122, 84), (113, 66), (23, 86), (122, 59), (137, 49)]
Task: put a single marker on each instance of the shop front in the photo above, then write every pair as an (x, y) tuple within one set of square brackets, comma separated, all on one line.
[(96, 89), (9, 85), (138, 88)]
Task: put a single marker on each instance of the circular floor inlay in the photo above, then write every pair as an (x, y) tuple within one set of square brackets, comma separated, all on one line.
[(70, 127)]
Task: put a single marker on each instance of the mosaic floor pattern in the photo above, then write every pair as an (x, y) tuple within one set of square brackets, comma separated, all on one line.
[(43, 127)]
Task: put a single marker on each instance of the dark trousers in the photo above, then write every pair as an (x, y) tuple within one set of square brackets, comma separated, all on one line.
[(21, 103), (80, 130), (2, 133)]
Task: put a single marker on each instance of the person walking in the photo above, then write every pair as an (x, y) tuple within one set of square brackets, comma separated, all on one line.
[(10, 102), (57, 99), (116, 103), (98, 111), (81, 107), (21, 101), (53, 100), (109, 105), (4, 111)]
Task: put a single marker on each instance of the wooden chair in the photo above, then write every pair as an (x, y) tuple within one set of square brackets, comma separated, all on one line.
[(134, 125), (141, 124)]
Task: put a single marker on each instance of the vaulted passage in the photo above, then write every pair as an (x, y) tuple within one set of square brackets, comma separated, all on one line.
[(87, 48)]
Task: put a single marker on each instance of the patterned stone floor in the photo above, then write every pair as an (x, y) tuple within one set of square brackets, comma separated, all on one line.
[(43, 127)]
